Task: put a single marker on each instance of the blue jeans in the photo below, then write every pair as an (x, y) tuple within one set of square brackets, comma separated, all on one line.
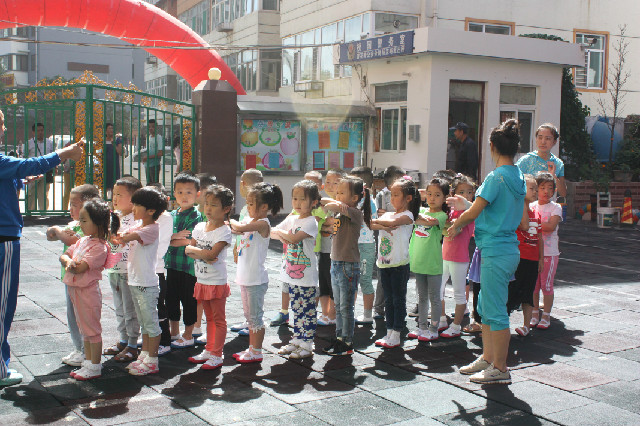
[(394, 284), (344, 282)]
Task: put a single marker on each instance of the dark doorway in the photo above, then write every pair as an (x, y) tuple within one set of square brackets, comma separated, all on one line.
[(466, 104)]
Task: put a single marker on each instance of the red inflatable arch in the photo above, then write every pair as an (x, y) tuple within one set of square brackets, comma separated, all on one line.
[(133, 21)]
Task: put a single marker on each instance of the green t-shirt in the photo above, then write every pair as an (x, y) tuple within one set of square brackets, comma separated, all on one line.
[(75, 227), (425, 248)]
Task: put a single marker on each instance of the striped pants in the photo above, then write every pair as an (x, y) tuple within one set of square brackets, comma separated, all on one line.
[(9, 271)]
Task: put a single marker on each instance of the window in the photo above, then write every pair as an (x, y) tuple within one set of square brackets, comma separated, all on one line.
[(269, 4), (14, 62), (198, 18), (393, 115), (270, 69), (593, 74), (244, 65), (157, 86), (394, 92), (184, 90), (390, 23), (288, 62), (519, 102), (492, 27)]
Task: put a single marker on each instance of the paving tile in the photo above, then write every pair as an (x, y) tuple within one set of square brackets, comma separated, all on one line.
[(623, 316), (51, 416), (493, 414), (432, 398), (294, 418), (172, 420), (44, 364), (598, 414), (611, 366), (419, 421), (630, 354), (299, 389), (563, 376), (619, 394), (37, 327), (28, 345), (26, 309), (375, 377), (452, 376), (361, 408), (588, 324), (533, 397), (610, 342), (131, 407)]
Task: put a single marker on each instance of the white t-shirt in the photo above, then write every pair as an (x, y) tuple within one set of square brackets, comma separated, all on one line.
[(546, 211), (211, 273), (165, 221), (126, 223), (299, 266), (252, 252), (393, 250), (143, 258), (366, 234), (41, 148)]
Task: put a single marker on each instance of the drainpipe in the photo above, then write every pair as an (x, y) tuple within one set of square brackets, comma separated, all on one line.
[(435, 13)]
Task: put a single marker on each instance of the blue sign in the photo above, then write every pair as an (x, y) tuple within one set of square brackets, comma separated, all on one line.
[(385, 46)]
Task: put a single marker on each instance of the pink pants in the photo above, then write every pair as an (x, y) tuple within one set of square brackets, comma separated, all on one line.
[(545, 278), (87, 305), (214, 310)]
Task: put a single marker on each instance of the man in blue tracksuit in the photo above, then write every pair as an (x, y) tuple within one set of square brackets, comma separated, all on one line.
[(12, 170)]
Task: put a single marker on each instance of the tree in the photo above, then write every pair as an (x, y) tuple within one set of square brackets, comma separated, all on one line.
[(576, 147), (617, 79)]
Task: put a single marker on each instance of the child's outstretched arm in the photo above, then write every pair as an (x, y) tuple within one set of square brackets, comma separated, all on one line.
[(552, 224), (208, 255), (337, 207), (291, 238), (57, 233), (255, 225), (127, 237), (391, 223), (426, 220)]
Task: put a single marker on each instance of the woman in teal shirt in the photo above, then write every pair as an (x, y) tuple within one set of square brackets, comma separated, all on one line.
[(497, 212)]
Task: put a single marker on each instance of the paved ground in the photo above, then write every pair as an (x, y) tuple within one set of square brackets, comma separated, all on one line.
[(584, 370)]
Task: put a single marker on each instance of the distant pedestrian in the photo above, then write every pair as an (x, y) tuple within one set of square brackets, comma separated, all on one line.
[(467, 152)]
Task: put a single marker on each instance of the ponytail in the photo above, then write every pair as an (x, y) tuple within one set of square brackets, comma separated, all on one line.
[(366, 207), (115, 223), (269, 194)]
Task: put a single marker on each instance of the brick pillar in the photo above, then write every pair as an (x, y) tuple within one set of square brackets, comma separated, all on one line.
[(216, 103)]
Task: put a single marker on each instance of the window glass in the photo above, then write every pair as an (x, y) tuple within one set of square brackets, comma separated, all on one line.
[(288, 69), (327, 68), (269, 4), (403, 129), (475, 27), (391, 23), (270, 70), (525, 118), (352, 28), (594, 72), (497, 29), (390, 129), (517, 95), (395, 92), (366, 23), (306, 57)]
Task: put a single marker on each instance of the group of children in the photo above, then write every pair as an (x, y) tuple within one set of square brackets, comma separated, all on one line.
[(329, 250)]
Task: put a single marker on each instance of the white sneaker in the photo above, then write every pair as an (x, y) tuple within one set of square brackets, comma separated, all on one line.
[(163, 350), (202, 340), (443, 325), (452, 331), (88, 372), (416, 334), (74, 359), (212, 363), (491, 375), (292, 346), (364, 320), (381, 342), (305, 350), (176, 337), (197, 331), (391, 341), (428, 335), (475, 367), (201, 358)]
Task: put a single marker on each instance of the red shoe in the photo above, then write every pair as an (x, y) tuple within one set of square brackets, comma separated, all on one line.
[(249, 357), (212, 363), (201, 358)]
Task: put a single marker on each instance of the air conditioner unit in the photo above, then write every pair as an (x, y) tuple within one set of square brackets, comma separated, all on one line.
[(414, 132), (307, 86), (224, 27), (152, 60)]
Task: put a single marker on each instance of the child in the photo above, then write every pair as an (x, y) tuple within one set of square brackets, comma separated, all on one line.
[(126, 350), (209, 249), (542, 160), (328, 316), (205, 179), (425, 252), (455, 259), (165, 222), (69, 235), (148, 205), (84, 262), (497, 211), (299, 268), (367, 248), (249, 177), (393, 255), (252, 276), (345, 257), (384, 205), (283, 315), (531, 259), (473, 277), (550, 214), (181, 279)]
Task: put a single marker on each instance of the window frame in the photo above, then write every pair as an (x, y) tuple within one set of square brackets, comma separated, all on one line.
[(485, 22), (401, 133), (605, 66)]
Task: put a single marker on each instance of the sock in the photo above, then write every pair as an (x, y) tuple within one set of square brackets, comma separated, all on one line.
[(368, 313), (443, 318), (455, 326), (284, 311), (151, 360), (95, 367), (143, 355)]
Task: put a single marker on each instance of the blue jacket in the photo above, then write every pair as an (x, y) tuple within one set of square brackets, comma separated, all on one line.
[(11, 170)]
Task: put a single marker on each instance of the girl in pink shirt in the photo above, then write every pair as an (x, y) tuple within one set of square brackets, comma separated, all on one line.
[(455, 258), (84, 262)]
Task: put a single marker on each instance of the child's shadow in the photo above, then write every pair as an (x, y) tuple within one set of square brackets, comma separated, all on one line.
[(509, 410)]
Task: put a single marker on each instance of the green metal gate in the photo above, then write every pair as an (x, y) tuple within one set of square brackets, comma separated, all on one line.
[(49, 116)]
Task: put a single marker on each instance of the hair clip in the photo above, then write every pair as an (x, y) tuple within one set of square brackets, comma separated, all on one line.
[(407, 177)]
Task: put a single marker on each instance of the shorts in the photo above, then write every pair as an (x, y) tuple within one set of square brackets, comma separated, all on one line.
[(367, 260), (546, 277), (521, 289), (324, 274), (253, 304), (495, 272), (145, 301)]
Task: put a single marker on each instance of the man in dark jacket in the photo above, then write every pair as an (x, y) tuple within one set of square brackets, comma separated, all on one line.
[(12, 171), (467, 152)]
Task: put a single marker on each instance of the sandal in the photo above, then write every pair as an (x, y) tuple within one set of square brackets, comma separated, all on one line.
[(523, 331), (545, 321), (474, 327), (115, 349), (126, 355)]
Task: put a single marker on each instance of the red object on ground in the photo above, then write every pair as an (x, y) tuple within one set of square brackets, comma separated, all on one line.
[(134, 21), (627, 211)]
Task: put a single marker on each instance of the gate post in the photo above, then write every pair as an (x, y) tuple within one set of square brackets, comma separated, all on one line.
[(216, 151)]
